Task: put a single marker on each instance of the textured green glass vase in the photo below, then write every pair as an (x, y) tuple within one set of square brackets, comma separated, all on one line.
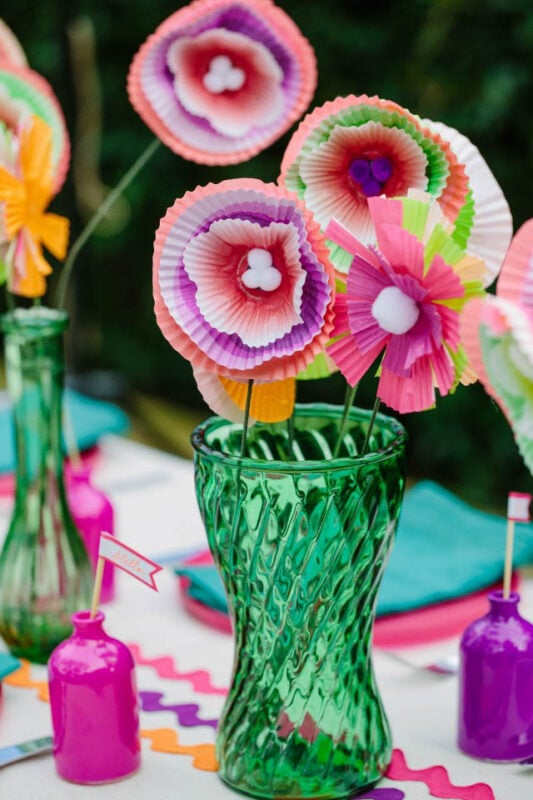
[(301, 539), (45, 574)]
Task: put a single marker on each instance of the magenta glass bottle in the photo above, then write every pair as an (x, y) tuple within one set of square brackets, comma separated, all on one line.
[(496, 684), (93, 699), (92, 512)]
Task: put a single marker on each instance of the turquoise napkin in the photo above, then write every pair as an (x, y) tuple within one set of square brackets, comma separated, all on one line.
[(444, 549), (90, 420), (8, 664)]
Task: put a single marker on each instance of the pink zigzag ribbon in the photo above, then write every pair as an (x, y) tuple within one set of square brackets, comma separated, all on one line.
[(437, 780), (164, 666)]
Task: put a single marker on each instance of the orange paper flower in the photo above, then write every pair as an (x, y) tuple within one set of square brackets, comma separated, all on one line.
[(26, 227)]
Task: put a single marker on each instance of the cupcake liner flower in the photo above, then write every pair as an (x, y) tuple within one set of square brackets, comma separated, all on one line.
[(497, 333), (219, 80), (24, 93), (403, 300), (25, 228), (243, 287), (355, 148)]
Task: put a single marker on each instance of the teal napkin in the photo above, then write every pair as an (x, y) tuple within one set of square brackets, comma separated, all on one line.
[(90, 420), (8, 664), (444, 549)]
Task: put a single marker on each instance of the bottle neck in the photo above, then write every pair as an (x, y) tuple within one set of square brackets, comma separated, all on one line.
[(87, 627), (504, 607)]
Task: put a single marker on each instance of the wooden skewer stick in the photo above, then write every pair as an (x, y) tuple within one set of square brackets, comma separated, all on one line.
[(508, 566), (97, 587)]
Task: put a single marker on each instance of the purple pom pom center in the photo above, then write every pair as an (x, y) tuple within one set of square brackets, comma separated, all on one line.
[(371, 174)]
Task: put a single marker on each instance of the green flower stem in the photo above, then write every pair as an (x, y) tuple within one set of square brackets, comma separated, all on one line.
[(246, 417), (99, 214), (371, 425), (349, 397)]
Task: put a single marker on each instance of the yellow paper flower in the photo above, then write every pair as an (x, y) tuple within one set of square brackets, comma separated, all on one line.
[(25, 193)]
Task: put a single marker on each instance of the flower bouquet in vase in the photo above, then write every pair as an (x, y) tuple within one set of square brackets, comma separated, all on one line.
[(361, 256)]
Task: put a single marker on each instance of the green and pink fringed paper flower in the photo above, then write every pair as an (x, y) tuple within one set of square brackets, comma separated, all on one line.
[(220, 80), (244, 290), (497, 332), (403, 302)]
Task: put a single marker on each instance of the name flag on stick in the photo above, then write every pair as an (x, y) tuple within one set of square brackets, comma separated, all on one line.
[(518, 506), (517, 511), (132, 562)]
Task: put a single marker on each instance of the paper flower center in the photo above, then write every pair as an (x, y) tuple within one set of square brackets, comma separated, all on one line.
[(371, 174), (261, 273), (394, 311), (223, 76)]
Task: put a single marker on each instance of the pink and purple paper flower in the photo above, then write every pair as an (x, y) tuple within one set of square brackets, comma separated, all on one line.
[(403, 300), (220, 80), (497, 332), (355, 148), (242, 282)]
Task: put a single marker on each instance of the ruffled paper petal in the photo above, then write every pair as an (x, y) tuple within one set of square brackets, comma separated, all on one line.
[(498, 337), (11, 52), (231, 126), (408, 395), (516, 278), (176, 304), (24, 92), (492, 227)]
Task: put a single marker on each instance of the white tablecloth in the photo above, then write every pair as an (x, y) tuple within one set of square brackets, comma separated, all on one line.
[(156, 513)]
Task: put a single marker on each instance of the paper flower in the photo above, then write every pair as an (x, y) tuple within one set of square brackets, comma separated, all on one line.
[(220, 80), (11, 51), (403, 300), (26, 227), (243, 287), (497, 333), (24, 93), (355, 148)]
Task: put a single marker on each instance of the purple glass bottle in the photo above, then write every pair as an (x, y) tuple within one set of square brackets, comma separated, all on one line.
[(496, 684), (92, 513), (93, 699)]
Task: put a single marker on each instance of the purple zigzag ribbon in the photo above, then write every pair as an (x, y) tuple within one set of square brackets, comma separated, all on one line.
[(186, 713), (381, 794)]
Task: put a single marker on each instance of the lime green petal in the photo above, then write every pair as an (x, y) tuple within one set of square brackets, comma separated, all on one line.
[(322, 367)]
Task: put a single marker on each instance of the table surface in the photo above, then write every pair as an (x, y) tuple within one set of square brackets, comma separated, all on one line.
[(156, 513)]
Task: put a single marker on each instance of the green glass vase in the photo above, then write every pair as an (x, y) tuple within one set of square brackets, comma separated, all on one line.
[(301, 538), (45, 574)]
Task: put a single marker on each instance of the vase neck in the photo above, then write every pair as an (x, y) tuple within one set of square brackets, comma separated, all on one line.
[(35, 374)]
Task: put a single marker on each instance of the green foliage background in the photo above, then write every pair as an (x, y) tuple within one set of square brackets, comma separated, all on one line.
[(465, 62)]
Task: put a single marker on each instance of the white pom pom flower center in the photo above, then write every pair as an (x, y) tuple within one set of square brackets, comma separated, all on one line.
[(394, 311), (261, 273), (222, 76)]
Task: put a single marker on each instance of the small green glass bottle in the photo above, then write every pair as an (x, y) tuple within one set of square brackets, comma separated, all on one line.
[(45, 574)]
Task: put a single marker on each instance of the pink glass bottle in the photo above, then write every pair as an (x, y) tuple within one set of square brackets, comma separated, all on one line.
[(496, 684), (92, 513), (94, 705)]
